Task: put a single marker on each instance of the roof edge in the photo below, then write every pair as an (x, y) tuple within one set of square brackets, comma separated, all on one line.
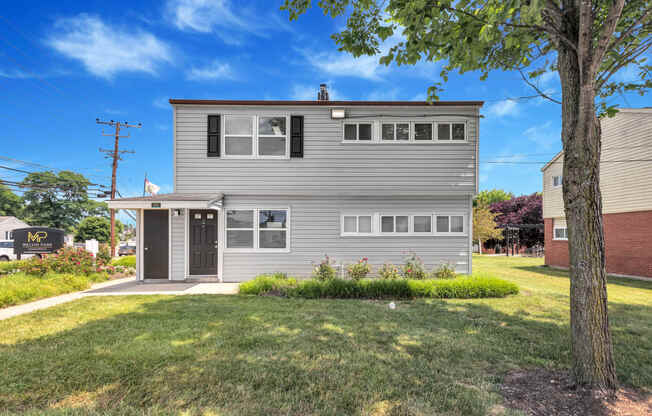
[(553, 160), (176, 101)]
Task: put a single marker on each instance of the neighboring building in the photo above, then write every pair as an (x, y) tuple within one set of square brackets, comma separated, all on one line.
[(8, 225), (265, 186), (626, 185)]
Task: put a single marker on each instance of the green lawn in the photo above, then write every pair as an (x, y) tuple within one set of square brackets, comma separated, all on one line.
[(246, 355)]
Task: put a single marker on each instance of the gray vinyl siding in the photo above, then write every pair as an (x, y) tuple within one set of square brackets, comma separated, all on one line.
[(330, 167), (315, 231), (178, 247)]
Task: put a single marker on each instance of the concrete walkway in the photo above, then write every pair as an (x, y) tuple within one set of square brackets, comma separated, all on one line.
[(122, 287)]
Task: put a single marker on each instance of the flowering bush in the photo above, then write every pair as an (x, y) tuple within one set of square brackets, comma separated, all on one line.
[(359, 270), (104, 253), (324, 270), (444, 271), (68, 260), (413, 267), (389, 271)]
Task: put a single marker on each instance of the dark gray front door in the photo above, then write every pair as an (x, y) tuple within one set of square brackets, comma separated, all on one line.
[(155, 247), (203, 242)]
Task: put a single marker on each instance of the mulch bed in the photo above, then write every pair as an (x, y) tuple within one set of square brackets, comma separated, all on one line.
[(544, 392)]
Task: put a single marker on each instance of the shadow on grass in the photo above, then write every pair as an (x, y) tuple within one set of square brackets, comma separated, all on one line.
[(614, 280), (251, 356)]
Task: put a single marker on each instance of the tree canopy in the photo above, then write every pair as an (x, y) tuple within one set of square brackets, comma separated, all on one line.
[(489, 196), (58, 200), (10, 203), (98, 228)]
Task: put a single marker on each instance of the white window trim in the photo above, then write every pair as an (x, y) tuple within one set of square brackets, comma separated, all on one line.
[(554, 233), (561, 181), (376, 224), (465, 224), (377, 134), (374, 131), (394, 215), (256, 230), (357, 215), (254, 136)]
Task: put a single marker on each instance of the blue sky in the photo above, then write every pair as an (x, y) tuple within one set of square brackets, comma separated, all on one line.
[(62, 64)]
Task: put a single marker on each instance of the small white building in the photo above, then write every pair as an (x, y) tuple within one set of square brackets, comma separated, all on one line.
[(8, 225)]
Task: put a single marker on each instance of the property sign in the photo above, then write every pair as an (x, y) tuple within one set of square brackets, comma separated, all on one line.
[(37, 240)]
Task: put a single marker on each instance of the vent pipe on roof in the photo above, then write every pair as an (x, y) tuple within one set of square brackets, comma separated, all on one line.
[(322, 95)]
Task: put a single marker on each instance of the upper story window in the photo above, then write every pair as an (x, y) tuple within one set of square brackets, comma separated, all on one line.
[(556, 181), (255, 136), (357, 131), (404, 131)]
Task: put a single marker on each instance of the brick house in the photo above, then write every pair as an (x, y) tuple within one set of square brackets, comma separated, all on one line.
[(626, 184)]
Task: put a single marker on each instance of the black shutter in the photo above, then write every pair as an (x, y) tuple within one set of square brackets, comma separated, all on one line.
[(213, 143), (296, 136)]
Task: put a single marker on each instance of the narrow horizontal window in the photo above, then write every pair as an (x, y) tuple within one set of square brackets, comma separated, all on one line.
[(443, 131), (450, 224), (422, 131), (459, 132), (395, 224), (358, 131), (422, 223), (357, 224)]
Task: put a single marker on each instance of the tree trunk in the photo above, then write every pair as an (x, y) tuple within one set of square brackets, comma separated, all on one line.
[(591, 345), (479, 246)]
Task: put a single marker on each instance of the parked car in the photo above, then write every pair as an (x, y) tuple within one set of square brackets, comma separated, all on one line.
[(7, 251), (127, 251)]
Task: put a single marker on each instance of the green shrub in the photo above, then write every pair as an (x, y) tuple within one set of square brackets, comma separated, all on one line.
[(413, 267), (359, 270), (324, 270), (444, 271), (460, 288), (126, 261), (263, 284), (9, 267)]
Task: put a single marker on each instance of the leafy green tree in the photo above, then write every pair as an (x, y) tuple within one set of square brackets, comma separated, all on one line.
[(10, 203), (58, 200), (98, 228), (484, 225), (487, 197), (586, 42)]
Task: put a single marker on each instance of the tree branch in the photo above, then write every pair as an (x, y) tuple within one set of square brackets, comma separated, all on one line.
[(608, 29), (537, 89), (624, 35), (621, 63)]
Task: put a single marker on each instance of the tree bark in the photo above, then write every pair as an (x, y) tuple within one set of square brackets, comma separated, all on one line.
[(591, 345)]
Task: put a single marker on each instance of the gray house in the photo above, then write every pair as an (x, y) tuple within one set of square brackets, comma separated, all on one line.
[(8, 224), (265, 186)]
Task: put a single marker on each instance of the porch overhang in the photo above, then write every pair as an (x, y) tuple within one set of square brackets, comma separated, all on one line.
[(169, 201)]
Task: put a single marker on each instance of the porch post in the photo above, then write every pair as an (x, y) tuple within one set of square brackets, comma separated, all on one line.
[(139, 244)]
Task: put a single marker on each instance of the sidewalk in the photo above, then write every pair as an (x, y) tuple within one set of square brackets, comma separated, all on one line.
[(122, 287)]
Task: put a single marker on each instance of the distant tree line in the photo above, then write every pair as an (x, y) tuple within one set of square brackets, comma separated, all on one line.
[(59, 200)]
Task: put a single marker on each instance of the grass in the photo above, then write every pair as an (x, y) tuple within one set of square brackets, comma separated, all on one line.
[(480, 286), (20, 288), (247, 355)]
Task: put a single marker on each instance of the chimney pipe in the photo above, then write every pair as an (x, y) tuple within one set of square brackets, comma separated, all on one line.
[(322, 95)]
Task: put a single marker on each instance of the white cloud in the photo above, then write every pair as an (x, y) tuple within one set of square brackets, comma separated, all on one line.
[(503, 108), (105, 50), (212, 72), (162, 103), (343, 64), (543, 135), (222, 18), (14, 74)]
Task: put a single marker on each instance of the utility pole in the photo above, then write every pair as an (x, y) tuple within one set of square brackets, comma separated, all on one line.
[(115, 154)]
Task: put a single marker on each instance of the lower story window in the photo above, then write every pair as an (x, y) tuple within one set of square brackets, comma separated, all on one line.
[(356, 224), (560, 230), (270, 231), (450, 224), (394, 223)]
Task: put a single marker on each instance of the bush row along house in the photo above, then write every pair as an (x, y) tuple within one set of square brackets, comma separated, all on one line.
[(626, 185), (264, 186)]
